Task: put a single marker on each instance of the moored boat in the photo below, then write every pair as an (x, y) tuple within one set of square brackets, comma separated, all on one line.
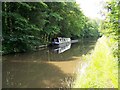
[(60, 40)]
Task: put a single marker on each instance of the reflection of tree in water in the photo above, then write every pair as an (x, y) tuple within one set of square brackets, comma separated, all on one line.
[(30, 70), (76, 50), (34, 75)]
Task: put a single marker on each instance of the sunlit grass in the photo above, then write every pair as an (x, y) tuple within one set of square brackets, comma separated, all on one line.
[(101, 70)]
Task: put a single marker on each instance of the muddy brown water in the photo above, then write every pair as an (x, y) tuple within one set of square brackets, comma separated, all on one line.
[(46, 68)]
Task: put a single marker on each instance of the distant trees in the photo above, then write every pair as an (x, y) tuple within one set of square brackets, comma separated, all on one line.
[(27, 25), (90, 29)]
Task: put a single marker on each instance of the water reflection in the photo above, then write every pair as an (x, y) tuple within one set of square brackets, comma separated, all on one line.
[(62, 48), (44, 68)]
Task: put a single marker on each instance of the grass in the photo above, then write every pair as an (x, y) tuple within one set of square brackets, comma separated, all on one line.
[(101, 69)]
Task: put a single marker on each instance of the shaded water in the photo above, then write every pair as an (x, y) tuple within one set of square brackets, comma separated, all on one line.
[(46, 68)]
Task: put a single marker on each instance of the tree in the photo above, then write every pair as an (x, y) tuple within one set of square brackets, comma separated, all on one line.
[(33, 24)]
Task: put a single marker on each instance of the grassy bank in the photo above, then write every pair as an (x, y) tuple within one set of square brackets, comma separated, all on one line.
[(101, 69)]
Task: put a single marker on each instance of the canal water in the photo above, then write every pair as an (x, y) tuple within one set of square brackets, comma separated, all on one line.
[(51, 67)]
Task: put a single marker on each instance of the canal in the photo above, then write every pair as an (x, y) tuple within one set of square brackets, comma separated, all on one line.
[(47, 68)]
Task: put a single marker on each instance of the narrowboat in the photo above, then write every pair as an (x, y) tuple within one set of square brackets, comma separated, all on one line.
[(60, 40)]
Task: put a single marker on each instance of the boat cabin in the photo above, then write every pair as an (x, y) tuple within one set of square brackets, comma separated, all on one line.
[(60, 40)]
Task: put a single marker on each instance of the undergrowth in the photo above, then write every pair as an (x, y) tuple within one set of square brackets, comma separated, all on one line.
[(101, 67)]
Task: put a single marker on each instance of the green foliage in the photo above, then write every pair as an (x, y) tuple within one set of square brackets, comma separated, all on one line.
[(110, 27), (101, 69), (111, 23), (90, 29), (19, 33), (27, 25)]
